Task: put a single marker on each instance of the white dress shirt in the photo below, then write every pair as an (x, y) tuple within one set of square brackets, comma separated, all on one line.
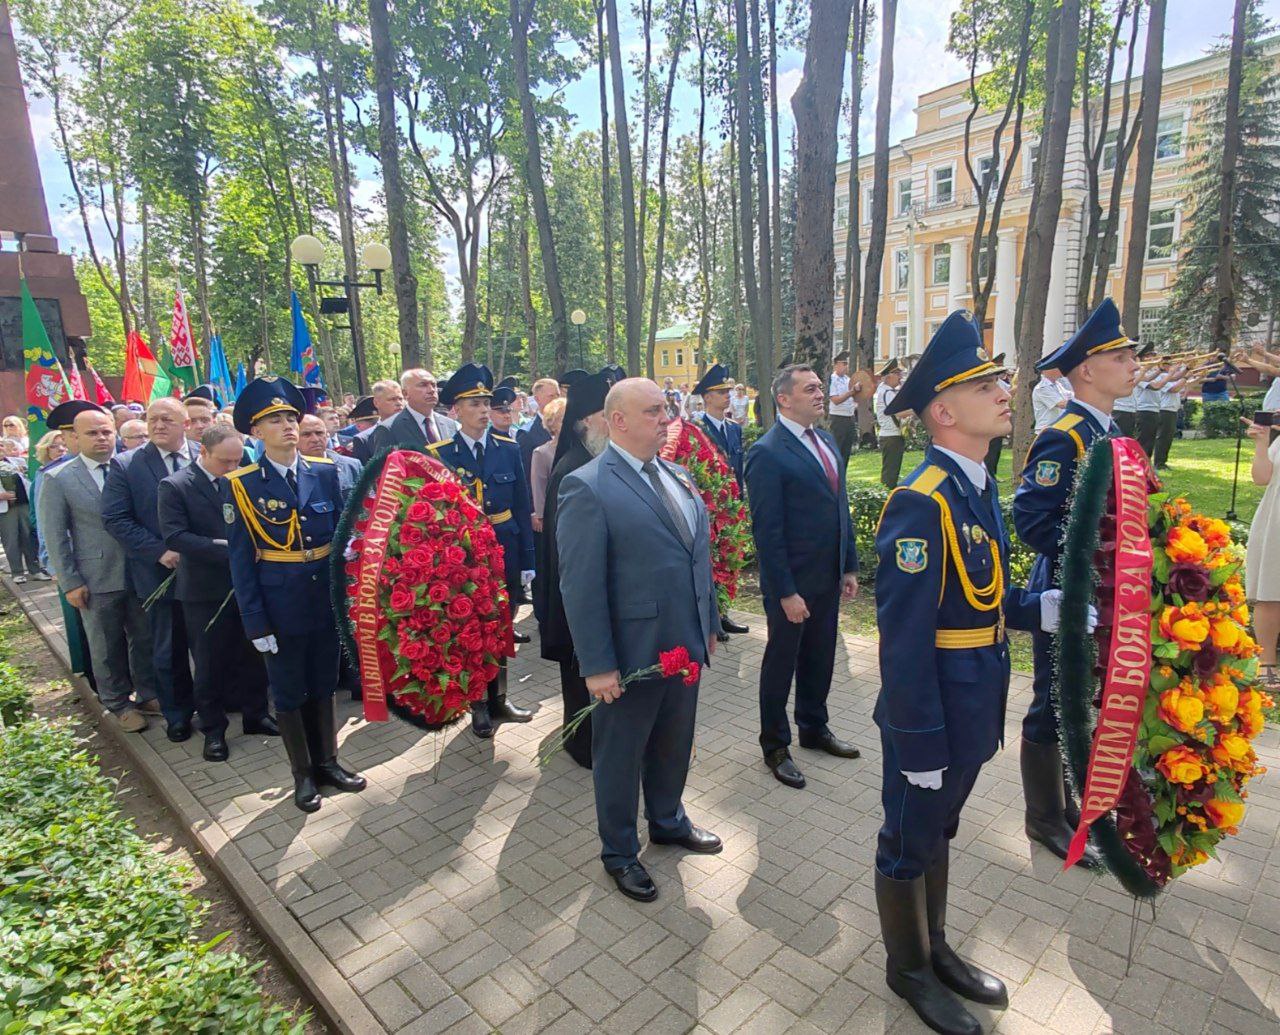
[(810, 442), (688, 504), (974, 470), (282, 469), (1048, 399), (885, 394), (838, 386), (469, 442), (97, 471), (182, 456), (1103, 419)]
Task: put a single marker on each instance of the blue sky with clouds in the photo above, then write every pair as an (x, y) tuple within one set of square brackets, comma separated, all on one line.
[(921, 63)]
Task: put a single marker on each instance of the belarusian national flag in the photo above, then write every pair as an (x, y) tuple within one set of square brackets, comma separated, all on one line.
[(144, 380), (46, 383), (182, 346), (75, 380), (102, 395)]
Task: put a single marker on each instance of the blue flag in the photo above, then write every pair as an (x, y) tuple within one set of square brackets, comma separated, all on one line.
[(303, 358), (240, 382), (219, 372)]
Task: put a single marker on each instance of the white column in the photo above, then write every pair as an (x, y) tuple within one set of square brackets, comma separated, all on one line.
[(1006, 291), (1055, 308), (958, 281), (915, 303)]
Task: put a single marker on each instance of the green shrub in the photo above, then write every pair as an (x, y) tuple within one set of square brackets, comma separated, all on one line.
[(97, 931), (15, 697), (1191, 412), (750, 432), (1220, 419)]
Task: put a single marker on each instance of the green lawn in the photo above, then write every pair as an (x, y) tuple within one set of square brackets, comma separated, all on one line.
[(1200, 470)]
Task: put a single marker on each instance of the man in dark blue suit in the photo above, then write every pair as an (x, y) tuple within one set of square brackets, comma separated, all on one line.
[(715, 386), (130, 517), (942, 605), (488, 464), (808, 564), (1100, 363), (635, 577), (281, 513)]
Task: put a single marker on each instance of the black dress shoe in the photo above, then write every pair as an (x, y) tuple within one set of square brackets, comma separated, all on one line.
[(263, 727), (634, 882), (786, 771), (730, 626), (504, 711), (722, 637), (215, 747), (696, 840), (481, 724), (178, 732), (830, 743), (519, 637)]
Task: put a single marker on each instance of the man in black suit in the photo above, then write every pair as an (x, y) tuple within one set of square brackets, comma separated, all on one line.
[(418, 424), (808, 564), (193, 525), (388, 401), (130, 517), (313, 433)]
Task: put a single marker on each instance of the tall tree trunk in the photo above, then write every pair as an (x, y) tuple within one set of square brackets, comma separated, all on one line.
[(760, 329), (740, 343), (858, 352), (1140, 203), (606, 198), (521, 15), (646, 117), (149, 320), (677, 47), (630, 267), (406, 284), (816, 105), (1224, 317), (775, 160), (879, 179), (526, 293), (198, 250), (705, 247), (764, 222), (1037, 257)]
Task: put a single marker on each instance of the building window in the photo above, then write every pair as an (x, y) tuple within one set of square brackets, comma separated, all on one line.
[(1169, 138), (679, 357), (899, 339), (984, 260), (941, 264), (944, 185), (988, 175), (866, 206), (1162, 230), (901, 269), (666, 358), (904, 197), (876, 345), (1153, 324), (1033, 161), (1109, 150)]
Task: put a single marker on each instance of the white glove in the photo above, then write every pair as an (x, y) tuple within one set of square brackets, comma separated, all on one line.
[(350, 553), (930, 781), (526, 579), (266, 645), (1051, 612)]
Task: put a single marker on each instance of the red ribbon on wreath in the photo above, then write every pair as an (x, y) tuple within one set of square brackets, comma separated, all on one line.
[(1128, 655)]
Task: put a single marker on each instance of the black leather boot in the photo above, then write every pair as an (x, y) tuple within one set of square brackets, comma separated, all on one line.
[(502, 710), (961, 977), (909, 971), (730, 626), (1042, 786), (481, 724), (293, 732), (322, 729)]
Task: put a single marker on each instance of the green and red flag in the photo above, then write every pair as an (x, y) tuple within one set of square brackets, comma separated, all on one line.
[(184, 364), (144, 378), (46, 383)]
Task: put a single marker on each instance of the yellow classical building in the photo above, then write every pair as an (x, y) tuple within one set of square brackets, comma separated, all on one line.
[(933, 211), (676, 349)]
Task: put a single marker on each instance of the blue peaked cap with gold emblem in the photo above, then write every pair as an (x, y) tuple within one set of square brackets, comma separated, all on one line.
[(471, 381), (1099, 333), (954, 355), (716, 377), (264, 396)]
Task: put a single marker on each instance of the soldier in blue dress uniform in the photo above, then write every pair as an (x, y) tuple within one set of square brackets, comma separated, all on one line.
[(488, 464), (1099, 361), (281, 513), (726, 436), (943, 604)]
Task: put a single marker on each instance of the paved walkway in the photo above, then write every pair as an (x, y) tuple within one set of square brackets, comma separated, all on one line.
[(462, 891)]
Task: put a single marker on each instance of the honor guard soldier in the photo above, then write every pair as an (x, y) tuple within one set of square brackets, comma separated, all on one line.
[(281, 514), (1098, 361), (943, 604), (488, 464)]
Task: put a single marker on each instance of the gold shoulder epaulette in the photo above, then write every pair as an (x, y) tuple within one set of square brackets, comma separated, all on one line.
[(435, 447), (1066, 422), (241, 471), (503, 438), (319, 460), (928, 480)]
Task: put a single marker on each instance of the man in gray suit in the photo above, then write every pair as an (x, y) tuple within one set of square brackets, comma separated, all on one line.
[(418, 424), (635, 575), (90, 568)]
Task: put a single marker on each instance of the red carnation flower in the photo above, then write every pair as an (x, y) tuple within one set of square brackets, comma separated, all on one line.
[(674, 661), (691, 676)]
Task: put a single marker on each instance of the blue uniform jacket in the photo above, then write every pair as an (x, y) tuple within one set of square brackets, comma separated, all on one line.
[(505, 494), (944, 663), (278, 595), (1040, 504), (729, 443), (802, 530)]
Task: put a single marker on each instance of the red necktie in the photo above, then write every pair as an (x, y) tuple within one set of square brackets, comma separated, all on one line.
[(429, 429), (832, 478)]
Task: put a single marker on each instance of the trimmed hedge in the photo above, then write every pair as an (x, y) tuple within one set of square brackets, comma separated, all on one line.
[(97, 931)]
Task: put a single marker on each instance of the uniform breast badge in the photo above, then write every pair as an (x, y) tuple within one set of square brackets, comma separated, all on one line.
[(912, 555), (229, 513), (1048, 472)]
